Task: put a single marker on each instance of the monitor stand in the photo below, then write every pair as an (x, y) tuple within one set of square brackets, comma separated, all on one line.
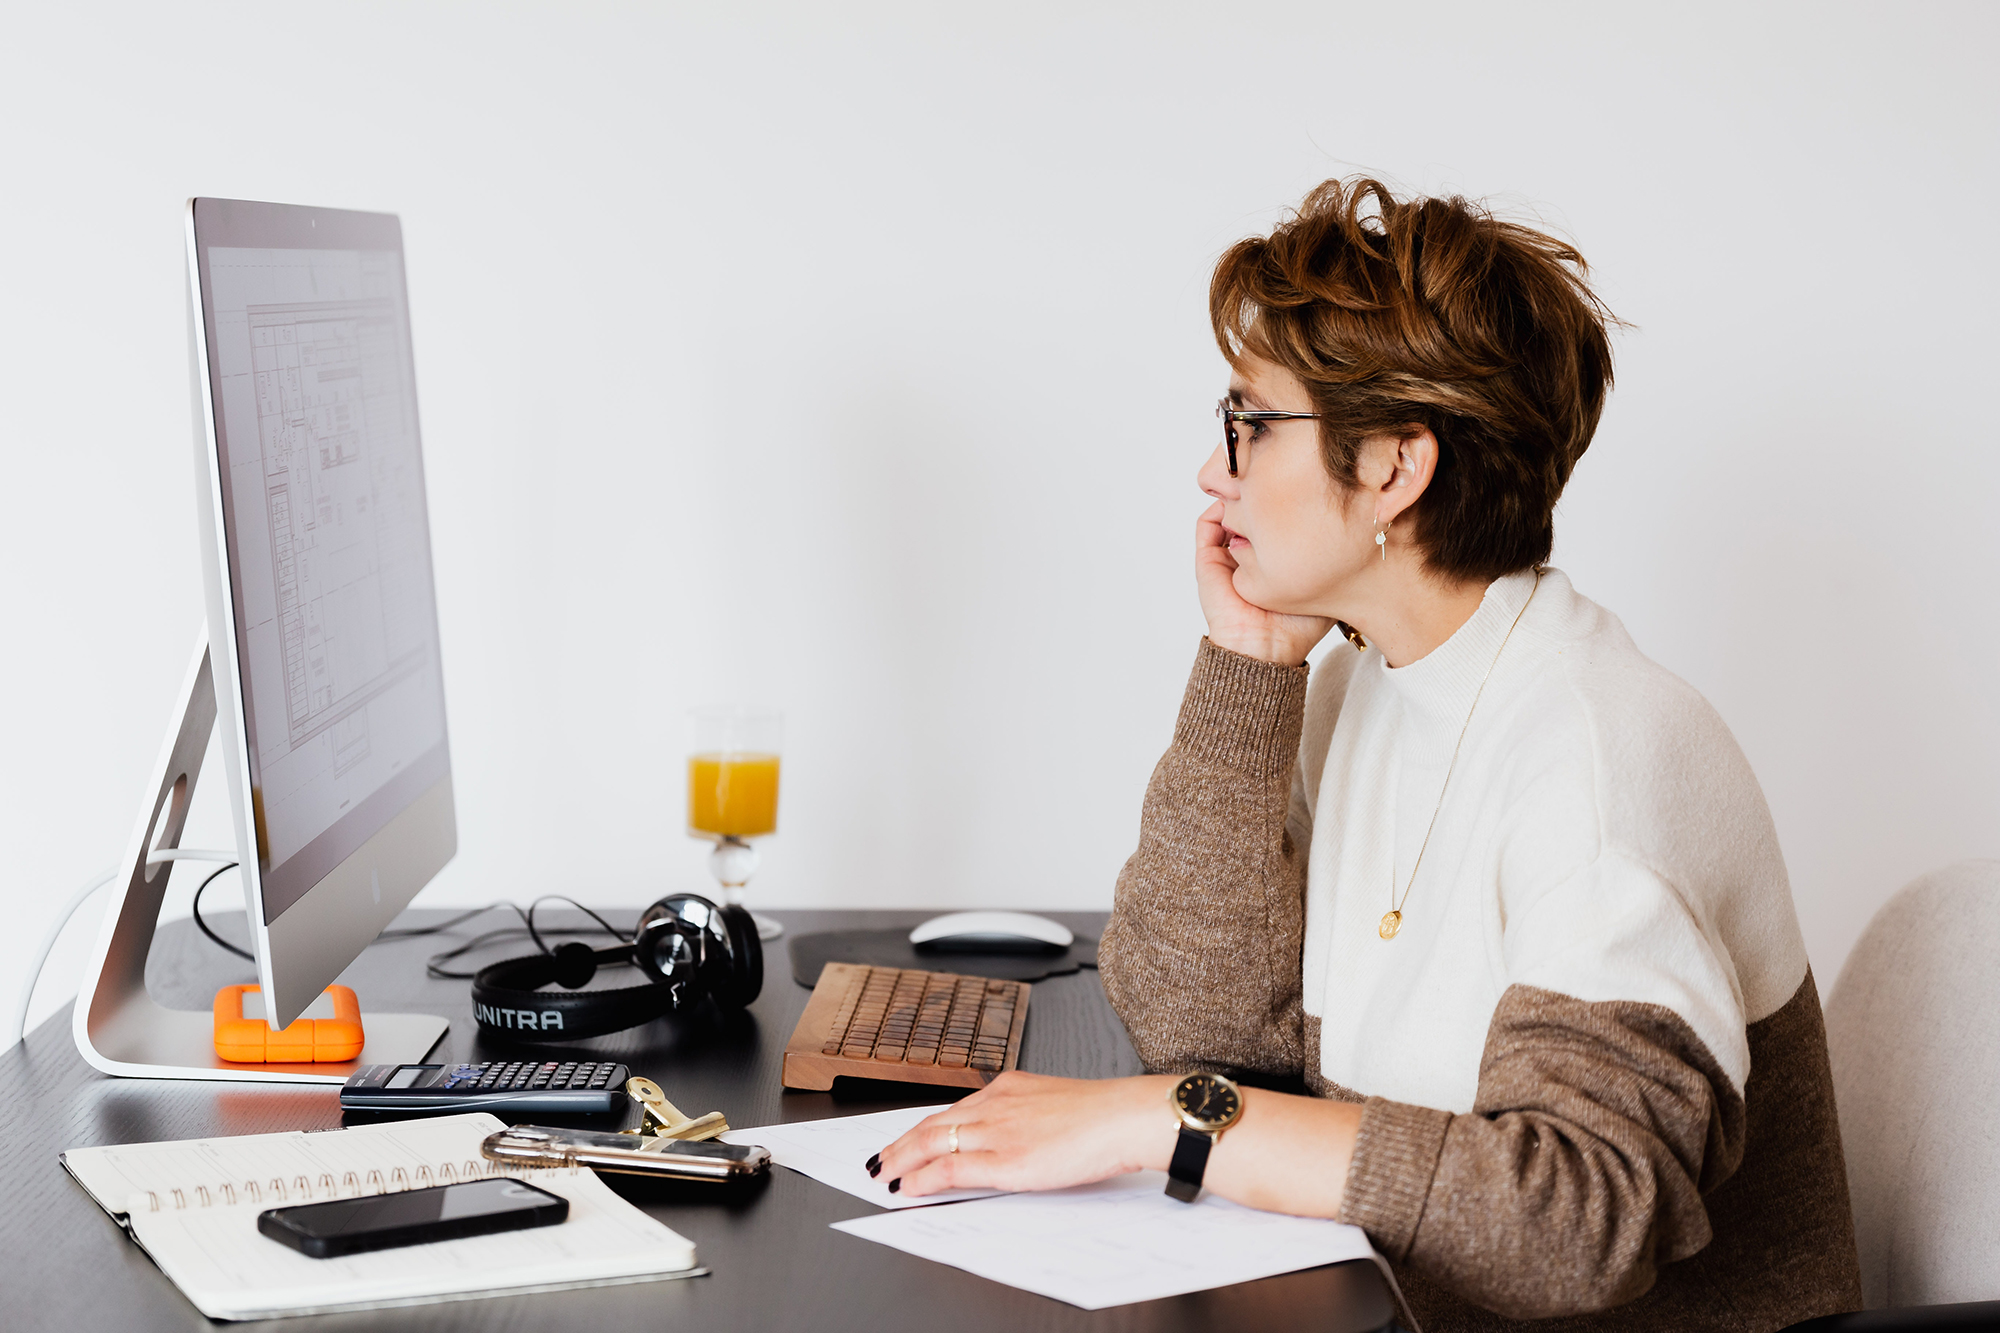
[(119, 1027)]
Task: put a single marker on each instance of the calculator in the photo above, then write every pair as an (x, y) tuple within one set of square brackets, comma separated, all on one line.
[(572, 1087)]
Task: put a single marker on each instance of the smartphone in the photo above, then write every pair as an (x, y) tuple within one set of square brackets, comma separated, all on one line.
[(537, 1145), (412, 1217)]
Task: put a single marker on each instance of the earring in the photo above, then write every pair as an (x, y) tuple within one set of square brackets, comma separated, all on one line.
[(1382, 539)]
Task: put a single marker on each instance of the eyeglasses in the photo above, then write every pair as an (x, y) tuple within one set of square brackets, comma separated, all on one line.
[(1230, 416)]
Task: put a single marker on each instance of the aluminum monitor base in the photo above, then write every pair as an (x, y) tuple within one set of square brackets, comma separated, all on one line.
[(119, 1027), (148, 1041)]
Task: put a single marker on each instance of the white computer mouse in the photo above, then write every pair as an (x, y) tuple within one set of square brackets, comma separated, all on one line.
[(992, 932)]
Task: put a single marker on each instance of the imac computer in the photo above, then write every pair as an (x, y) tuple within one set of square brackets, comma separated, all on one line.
[(319, 668)]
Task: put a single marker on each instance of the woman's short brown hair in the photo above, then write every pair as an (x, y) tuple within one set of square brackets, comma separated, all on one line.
[(1431, 313)]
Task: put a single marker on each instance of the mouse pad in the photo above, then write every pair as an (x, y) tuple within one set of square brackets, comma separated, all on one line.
[(892, 948)]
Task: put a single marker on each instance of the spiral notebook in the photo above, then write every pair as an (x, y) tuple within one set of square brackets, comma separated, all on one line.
[(193, 1207)]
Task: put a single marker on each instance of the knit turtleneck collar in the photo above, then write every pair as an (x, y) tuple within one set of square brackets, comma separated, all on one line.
[(1438, 688)]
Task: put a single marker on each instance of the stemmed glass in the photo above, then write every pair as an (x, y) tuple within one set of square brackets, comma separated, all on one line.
[(733, 793)]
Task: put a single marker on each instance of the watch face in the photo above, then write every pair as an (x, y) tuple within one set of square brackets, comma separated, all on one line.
[(1211, 1100)]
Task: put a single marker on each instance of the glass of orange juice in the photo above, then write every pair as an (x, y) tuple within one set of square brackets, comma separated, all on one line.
[(733, 793)]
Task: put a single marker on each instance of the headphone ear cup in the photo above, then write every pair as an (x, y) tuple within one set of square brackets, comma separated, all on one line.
[(745, 980), (657, 937), (732, 966)]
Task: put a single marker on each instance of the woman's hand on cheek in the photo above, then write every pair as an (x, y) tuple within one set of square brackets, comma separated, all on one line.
[(1235, 624), (1033, 1132)]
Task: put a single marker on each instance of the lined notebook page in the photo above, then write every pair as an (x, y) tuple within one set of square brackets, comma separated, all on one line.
[(214, 1253)]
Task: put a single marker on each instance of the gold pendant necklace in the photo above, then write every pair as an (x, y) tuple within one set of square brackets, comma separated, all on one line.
[(1392, 920)]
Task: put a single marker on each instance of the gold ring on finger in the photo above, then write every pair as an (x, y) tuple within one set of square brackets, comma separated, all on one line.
[(953, 1137)]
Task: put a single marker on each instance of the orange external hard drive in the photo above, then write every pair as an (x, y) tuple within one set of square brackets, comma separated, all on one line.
[(251, 1041)]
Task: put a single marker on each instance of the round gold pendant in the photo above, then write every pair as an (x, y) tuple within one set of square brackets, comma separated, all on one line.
[(1391, 923)]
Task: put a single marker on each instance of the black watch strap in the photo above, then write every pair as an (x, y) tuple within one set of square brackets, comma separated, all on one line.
[(1190, 1163)]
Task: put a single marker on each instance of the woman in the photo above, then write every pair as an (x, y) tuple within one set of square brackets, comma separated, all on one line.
[(1501, 890)]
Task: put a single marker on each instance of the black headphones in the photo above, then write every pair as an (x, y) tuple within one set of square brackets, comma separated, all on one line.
[(686, 945)]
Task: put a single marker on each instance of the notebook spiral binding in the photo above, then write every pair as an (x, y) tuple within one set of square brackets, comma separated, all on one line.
[(304, 1189)]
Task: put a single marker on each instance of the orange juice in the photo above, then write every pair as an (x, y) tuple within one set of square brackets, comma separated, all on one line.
[(733, 794)]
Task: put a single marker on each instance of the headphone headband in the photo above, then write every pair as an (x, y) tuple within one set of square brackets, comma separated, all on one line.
[(507, 1003), (686, 947)]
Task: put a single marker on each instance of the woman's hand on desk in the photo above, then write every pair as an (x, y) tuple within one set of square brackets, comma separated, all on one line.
[(1288, 1154), (1235, 624), (1033, 1132)]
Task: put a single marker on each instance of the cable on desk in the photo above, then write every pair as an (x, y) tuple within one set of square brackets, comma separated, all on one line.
[(434, 965), (76, 900), (204, 927)]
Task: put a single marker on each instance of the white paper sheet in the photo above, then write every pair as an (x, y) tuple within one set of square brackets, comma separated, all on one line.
[(835, 1152), (1115, 1242)]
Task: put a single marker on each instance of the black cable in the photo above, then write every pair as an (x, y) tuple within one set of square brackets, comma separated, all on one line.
[(203, 926), (433, 966), (412, 932), (609, 929)]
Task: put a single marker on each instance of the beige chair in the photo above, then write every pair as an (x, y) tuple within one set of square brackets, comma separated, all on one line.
[(1913, 1027)]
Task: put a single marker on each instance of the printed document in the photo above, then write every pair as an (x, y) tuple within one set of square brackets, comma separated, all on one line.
[(1115, 1242), (835, 1152)]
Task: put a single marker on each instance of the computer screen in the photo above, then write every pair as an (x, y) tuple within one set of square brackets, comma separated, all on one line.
[(318, 667), (327, 542)]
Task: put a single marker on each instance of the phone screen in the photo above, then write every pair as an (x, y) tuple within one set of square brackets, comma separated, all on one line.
[(414, 1208)]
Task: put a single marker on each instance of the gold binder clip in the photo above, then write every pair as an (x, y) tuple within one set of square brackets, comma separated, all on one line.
[(663, 1120), (658, 1113)]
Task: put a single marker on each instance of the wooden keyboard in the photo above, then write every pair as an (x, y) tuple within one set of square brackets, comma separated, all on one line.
[(908, 1025)]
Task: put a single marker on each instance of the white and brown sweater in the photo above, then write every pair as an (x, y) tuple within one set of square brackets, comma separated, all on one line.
[(1593, 1063)]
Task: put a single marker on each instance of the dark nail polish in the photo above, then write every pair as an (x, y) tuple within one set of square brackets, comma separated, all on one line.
[(874, 1163), (896, 1185)]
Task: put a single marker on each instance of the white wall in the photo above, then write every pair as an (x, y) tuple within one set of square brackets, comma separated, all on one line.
[(857, 361)]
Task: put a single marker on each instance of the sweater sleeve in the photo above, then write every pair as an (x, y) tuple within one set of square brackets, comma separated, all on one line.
[(1201, 956), (1598, 1126)]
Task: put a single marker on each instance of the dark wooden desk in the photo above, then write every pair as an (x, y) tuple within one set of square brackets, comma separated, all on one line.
[(776, 1263)]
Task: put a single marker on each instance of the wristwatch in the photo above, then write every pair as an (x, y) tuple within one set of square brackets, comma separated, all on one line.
[(1207, 1104)]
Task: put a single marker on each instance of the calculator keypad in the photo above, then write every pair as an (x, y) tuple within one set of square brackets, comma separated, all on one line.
[(511, 1087), (530, 1076)]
